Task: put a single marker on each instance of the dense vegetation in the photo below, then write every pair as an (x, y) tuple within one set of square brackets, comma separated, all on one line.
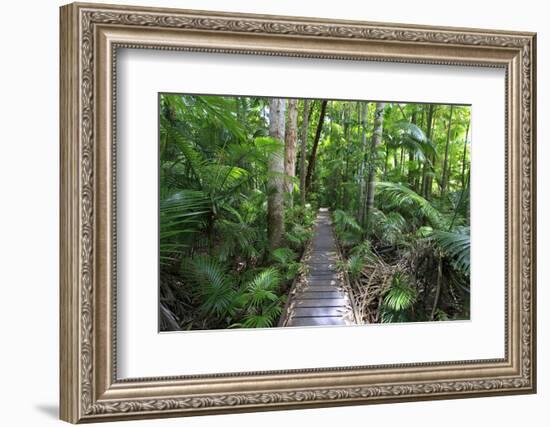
[(241, 179)]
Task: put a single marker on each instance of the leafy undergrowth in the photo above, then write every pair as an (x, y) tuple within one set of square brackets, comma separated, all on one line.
[(410, 267), (237, 283)]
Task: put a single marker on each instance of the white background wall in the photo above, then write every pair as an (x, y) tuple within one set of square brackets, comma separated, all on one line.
[(29, 171)]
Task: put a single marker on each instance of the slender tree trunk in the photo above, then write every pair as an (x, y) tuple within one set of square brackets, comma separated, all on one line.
[(275, 178), (313, 156), (427, 180), (303, 151), (462, 179), (345, 177), (410, 169), (346, 156), (386, 158), (438, 286), (446, 159), (362, 173), (465, 188), (291, 137), (465, 182), (376, 141)]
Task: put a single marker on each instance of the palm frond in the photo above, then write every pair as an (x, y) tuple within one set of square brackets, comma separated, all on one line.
[(403, 197), (181, 217), (188, 152), (355, 265), (345, 222), (400, 296), (214, 286), (283, 255), (262, 287), (456, 244), (264, 319)]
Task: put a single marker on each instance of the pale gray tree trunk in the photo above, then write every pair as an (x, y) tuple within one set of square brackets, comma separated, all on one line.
[(362, 171), (345, 178), (444, 177), (376, 141), (275, 177), (463, 175), (291, 137), (303, 152), (427, 179)]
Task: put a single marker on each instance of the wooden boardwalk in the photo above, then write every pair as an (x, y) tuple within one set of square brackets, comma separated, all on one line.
[(320, 297)]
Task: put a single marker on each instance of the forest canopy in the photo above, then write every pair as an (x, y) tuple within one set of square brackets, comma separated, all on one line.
[(242, 182)]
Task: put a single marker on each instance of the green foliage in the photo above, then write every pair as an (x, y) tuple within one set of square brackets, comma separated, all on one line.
[(355, 265), (348, 230), (266, 318), (214, 286), (262, 288), (181, 217), (284, 259), (399, 196), (214, 154), (400, 296), (398, 301), (345, 222), (389, 228), (262, 304), (456, 245)]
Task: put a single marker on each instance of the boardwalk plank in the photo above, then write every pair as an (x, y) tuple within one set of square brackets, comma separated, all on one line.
[(325, 302), (320, 295), (322, 300), (319, 288), (316, 321), (324, 282), (319, 311)]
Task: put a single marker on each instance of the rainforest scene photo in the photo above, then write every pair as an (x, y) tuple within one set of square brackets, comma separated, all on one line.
[(281, 212)]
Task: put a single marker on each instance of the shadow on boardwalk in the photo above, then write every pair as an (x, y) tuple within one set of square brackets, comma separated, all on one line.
[(320, 297)]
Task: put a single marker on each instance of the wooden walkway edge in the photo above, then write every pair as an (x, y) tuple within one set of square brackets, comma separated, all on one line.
[(319, 297)]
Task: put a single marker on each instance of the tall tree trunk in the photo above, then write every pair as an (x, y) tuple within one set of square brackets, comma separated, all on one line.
[(426, 179), (376, 141), (444, 173), (275, 178), (465, 183), (303, 150), (462, 179), (345, 176), (386, 158), (410, 169), (291, 136), (313, 156), (362, 172)]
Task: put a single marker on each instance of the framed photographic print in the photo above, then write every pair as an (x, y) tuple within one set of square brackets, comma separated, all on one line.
[(266, 212)]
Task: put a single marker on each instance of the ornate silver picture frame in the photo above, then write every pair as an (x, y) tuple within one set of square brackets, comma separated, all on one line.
[(90, 36)]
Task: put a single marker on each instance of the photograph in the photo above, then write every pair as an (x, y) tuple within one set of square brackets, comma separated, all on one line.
[(270, 210), (287, 212)]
